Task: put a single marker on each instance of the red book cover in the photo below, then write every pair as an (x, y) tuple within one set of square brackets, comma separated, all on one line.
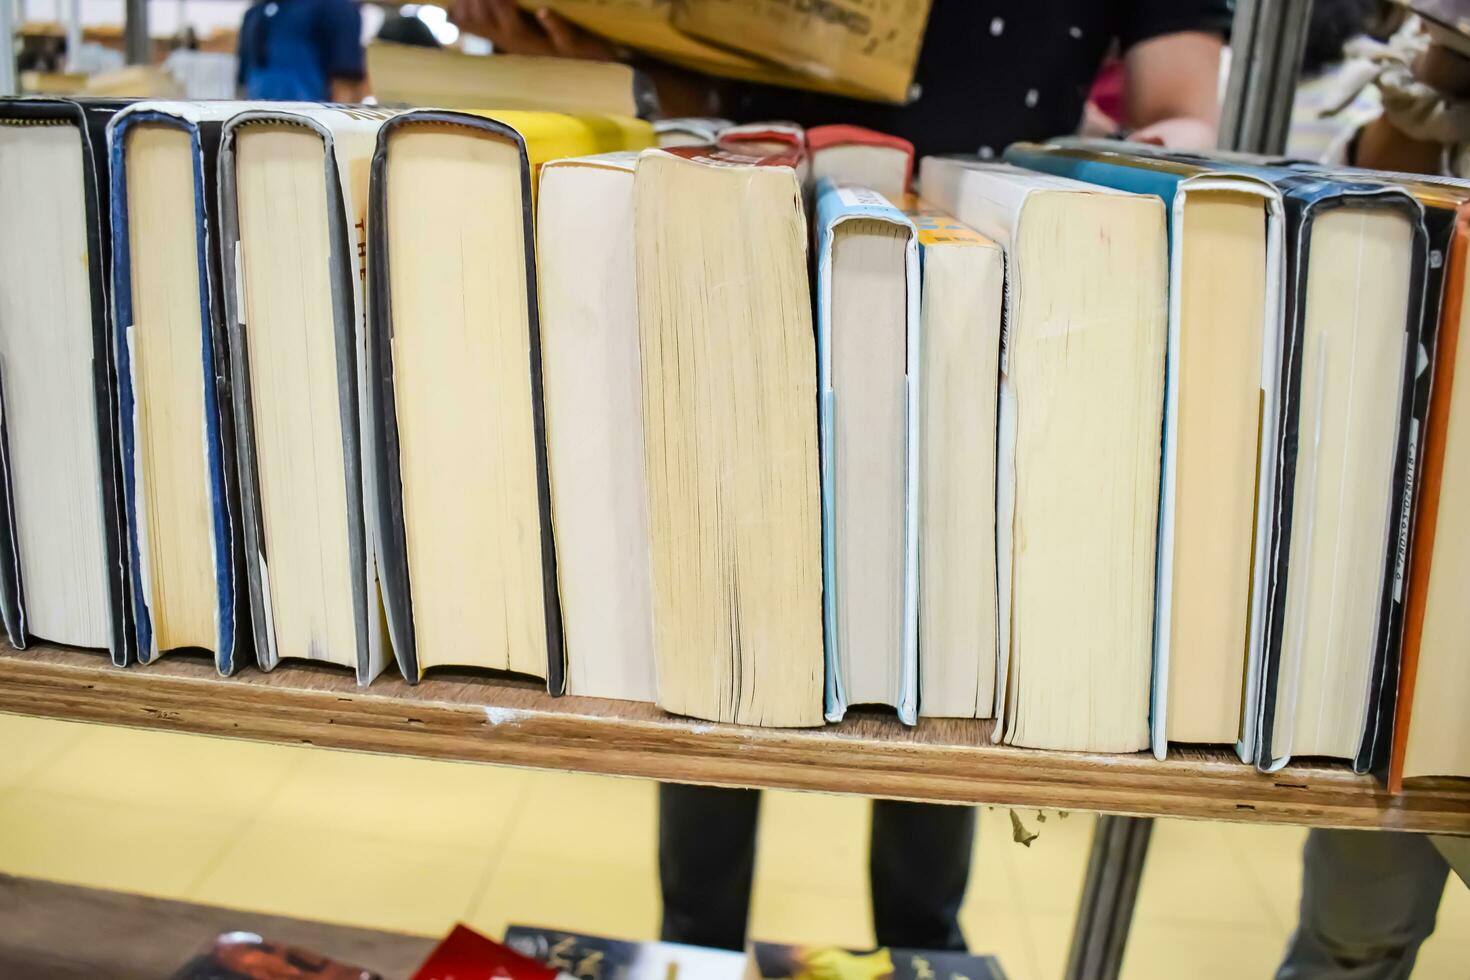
[(466, 955), (768, 138), (755, 145), (820, 138)]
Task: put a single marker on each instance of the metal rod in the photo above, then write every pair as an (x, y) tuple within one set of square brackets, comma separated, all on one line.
[(1291, 43), (7, 53), (1266, 46), (136, 45), (1105, 911), (1242, 44), (73, 34)]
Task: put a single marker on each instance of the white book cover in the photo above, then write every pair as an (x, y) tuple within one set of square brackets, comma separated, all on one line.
[(1272, 317)]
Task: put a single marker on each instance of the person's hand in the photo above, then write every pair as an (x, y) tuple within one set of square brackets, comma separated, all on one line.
[(1179, 133), (516, 31)]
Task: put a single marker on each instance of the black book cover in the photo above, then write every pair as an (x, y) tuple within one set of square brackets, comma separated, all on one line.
[(346, 306), (1306, 196), (1441, 202), (202, 121), (91, 117), (392, 542)]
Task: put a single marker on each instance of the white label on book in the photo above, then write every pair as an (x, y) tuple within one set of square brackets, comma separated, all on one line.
[(862, 197), (1402, 548), (239, 285)]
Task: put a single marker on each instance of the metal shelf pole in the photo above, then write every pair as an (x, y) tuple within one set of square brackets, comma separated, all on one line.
[(136, 46), (7, 55)]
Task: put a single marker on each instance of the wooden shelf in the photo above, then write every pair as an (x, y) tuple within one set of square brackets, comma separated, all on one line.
[(484, 718)]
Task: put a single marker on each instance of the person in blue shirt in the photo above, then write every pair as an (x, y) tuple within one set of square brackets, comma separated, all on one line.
[(302, 51)]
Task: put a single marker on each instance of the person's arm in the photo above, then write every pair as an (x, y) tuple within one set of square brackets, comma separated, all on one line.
[(343, 61), (515, 31), (1171, 69), (1172, 89)]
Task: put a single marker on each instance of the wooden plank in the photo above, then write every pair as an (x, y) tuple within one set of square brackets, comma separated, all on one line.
[(50, 931), (508, 721)]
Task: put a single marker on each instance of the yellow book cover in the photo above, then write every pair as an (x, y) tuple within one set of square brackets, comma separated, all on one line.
[(553, 135), (773, 961), (938, 228)]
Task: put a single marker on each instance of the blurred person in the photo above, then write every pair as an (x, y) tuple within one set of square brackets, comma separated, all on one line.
[(1369, 900), (1336, 95), (1103, 113), (399, 29), (302, 51), (989, 73), (1386, 85)]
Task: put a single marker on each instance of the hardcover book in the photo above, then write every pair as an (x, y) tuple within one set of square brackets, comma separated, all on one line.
[(293, 201), (868, 360), (463, 516), (174, 404), (63, 544), (1420, 711), (1355, 294)]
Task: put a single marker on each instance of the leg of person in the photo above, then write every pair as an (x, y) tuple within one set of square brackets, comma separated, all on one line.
[(918, 864), (1369, 898), (706, 859)]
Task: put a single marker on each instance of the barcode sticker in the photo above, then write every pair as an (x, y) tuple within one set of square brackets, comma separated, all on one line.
[(862, 197)]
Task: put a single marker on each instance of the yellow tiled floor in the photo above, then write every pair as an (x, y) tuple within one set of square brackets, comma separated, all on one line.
[(415, 846)]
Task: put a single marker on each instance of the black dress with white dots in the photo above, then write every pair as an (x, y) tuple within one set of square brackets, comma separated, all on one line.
[(992, 72)]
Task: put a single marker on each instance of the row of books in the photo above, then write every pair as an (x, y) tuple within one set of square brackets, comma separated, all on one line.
[(1312, 332), (579, 417)]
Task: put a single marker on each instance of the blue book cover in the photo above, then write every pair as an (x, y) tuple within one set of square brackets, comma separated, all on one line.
[(200, 123), (838, 207)]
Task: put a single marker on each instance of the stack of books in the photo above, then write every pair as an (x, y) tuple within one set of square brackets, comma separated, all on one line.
[(1117, 447)]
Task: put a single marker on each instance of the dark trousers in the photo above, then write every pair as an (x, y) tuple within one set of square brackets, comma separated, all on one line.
[(919, 861), (1369, 900)]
